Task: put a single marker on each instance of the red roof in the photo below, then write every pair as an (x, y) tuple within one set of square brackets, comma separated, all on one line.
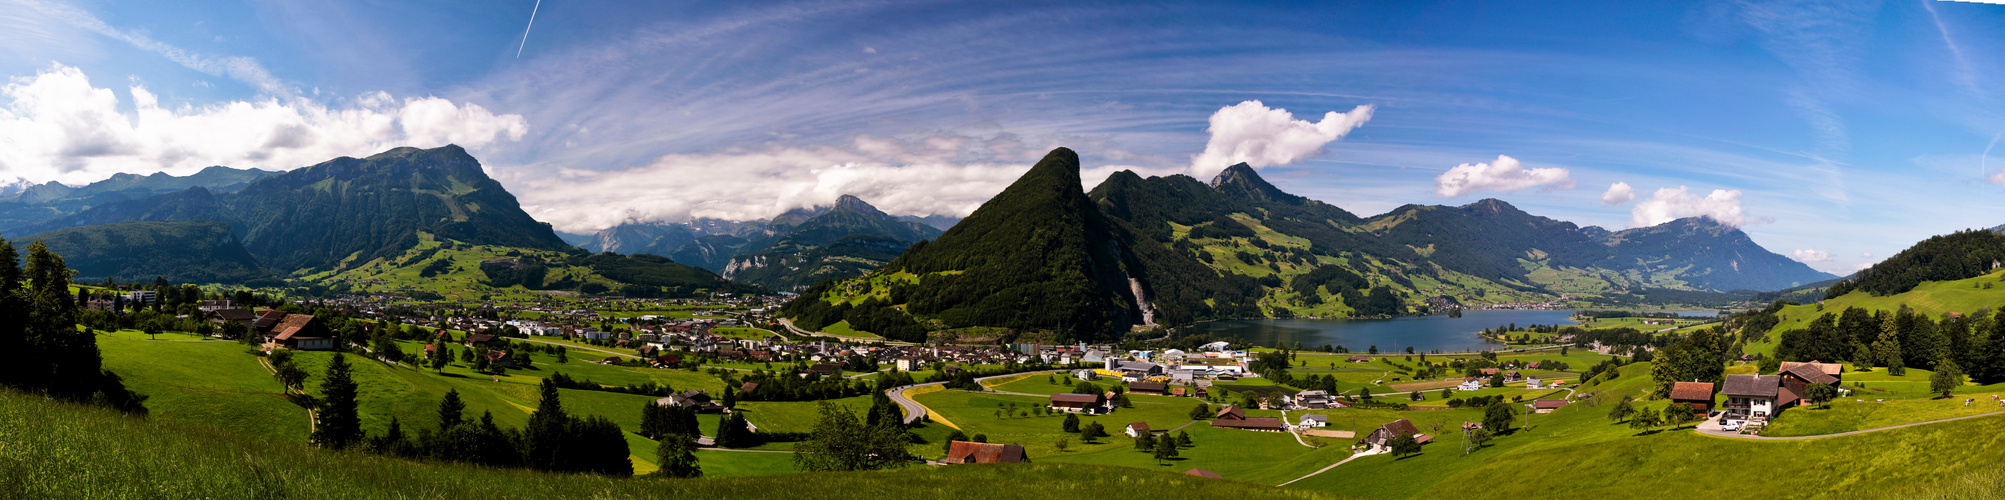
[(967, 452), (1204, 473), (1692, 391)]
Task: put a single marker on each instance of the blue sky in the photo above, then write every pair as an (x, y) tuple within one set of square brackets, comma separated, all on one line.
[(1838, 133)]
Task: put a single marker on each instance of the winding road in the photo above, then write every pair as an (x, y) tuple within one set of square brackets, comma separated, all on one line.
[(913, 410)]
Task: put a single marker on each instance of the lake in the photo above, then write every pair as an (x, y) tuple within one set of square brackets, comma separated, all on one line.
[(1425, 333)]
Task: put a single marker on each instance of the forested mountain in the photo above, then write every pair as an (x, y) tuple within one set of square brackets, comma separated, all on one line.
[(1173, 250), (315, 217), (183, 252), (31, 208), (1960, 255)]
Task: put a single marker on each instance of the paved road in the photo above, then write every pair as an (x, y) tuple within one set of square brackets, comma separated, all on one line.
[(1714, 430), (913, 409)]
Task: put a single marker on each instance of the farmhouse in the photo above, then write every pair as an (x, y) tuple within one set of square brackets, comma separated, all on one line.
[(1697, 394), (1381, 438), (826, 369), (1796, 379), (1145, 387), (1754, 397), (1079, 403), (1231, 417), (300, 331), (965, 452), (1137, 429), (1314, 400), (1547, 405)]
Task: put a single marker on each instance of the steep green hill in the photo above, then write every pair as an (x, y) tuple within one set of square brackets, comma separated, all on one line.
[(1036, 256), (1955, 256), (183, 252)]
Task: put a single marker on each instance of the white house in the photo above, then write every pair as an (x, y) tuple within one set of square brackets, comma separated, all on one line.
[(1085, 375), (1752, 397), (1470, 384), (1137, 429), (1315, 420), (1217, 346)]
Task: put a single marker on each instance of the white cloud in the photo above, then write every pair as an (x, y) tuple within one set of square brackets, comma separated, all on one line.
[(1252, 133), (1503, 175), (939, 174), (1997, 178), (1867, 255), (1810, 256), (1667, 204), (1618, 194), (57, 126)]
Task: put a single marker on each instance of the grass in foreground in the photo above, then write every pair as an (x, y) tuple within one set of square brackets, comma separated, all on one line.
[(58, 450)]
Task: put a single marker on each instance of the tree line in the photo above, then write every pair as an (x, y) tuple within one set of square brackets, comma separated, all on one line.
[(38, 330)]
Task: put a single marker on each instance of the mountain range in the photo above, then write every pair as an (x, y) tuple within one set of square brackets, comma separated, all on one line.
[(788, 252), (1137, 252), (341, 214)]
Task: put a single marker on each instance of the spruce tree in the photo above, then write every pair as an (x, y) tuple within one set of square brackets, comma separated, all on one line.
[(548, 431), (338, 425), (677, 455), (451, 410)]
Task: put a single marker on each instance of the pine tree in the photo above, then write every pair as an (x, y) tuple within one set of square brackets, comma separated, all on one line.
[(338, 425), (451, 410), (549, 429), (677, 455)]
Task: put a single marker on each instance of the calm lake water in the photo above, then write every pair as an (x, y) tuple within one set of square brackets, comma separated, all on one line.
[(1423, 333)]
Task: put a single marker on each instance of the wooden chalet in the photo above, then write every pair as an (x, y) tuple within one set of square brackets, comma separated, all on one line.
[(1382, 436), (1699, 395), (967, 452), (1079, 403)]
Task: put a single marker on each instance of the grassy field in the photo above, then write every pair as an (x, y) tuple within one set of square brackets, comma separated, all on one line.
[(212, 382), (57, 450), (976, 413), (1932, 298)]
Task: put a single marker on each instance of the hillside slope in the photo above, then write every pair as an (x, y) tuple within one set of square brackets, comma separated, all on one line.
[(56, 450), (183, 252)]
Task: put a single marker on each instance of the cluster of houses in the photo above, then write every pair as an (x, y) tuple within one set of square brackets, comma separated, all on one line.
[(1756, 399)]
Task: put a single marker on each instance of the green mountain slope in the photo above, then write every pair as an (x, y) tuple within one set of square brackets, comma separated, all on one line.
[(316, 217), (1036, 256), (1241, 247), (184, 252), (58, 450)]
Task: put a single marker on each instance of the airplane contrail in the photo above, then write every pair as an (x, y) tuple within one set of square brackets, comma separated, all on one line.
[(525, 29)]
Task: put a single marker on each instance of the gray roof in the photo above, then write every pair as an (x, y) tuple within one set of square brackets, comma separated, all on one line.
[(1760, 386)]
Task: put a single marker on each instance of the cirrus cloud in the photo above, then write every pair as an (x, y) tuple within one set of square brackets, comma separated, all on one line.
[(1252, 133), (57, 126), (1503, 175)]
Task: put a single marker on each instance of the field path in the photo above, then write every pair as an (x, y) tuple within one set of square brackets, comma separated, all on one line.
[(1353, 456), (913, 409), (1737, 435)]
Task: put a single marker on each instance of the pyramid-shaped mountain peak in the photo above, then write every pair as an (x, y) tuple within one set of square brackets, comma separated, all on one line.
[(1241, 181)]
